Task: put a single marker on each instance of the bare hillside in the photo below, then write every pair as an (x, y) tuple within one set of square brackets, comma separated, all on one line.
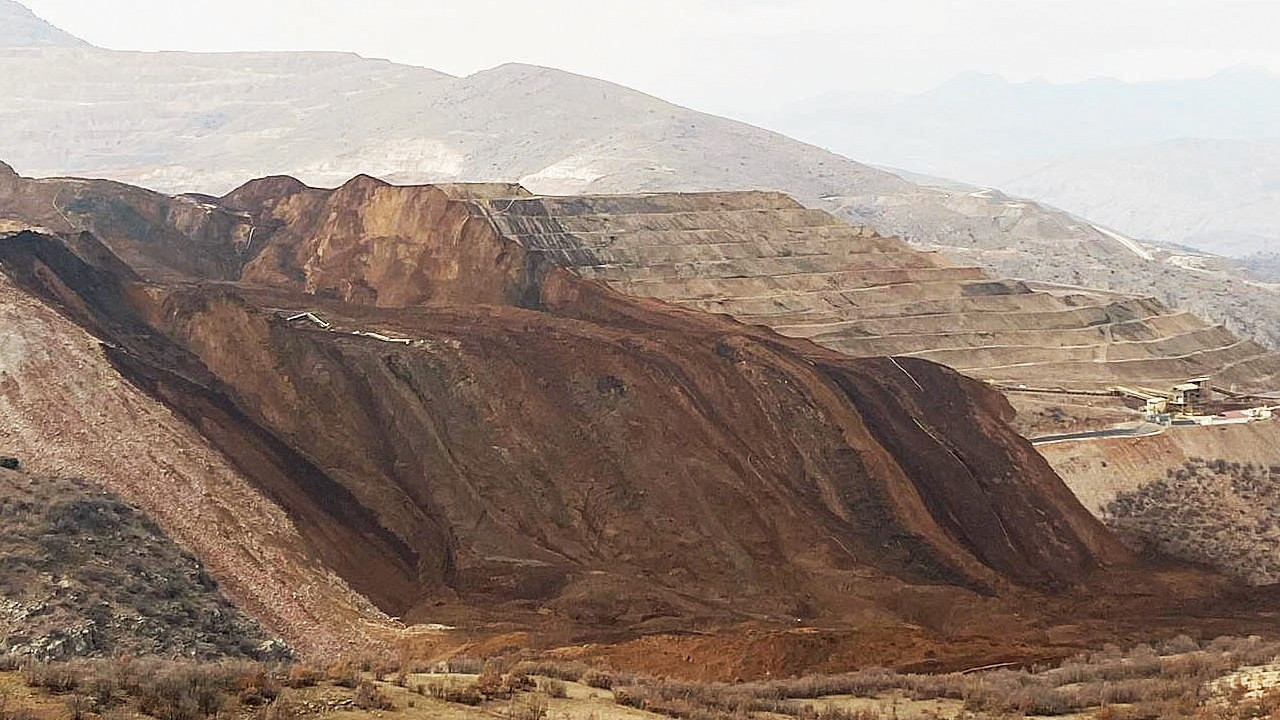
[(471, 435)]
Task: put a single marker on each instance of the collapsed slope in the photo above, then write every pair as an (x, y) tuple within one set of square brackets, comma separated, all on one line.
[(466, 431)]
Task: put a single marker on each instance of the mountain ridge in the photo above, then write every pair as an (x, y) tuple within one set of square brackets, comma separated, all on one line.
[(1106, 149), (19, 27)]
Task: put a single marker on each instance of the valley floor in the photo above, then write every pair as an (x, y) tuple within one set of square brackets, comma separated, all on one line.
[(1227, 678)]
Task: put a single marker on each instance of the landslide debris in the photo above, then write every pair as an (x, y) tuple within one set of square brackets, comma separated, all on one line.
[(83, 573), (67, 412), (465, 431)]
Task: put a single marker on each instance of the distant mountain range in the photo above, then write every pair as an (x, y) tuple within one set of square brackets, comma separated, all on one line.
[(180, 122), (1186, 161), (1217, 195), (19, 27)]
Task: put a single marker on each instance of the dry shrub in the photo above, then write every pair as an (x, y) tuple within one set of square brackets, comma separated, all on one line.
[(167, 690), (54, 677), (554, 688), (864, 683), (693, 701), (1143, 680), (368, 696), (258, 687), (302, 676), (78, 706), (598, 679), (343, 674), (183, 694), (530, 707), (493, 684), (380, 667), (570, 671), (449, 691), (277, 710), (464, 665)]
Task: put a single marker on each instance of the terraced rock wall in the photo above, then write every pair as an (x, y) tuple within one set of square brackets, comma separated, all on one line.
[(763, 259)]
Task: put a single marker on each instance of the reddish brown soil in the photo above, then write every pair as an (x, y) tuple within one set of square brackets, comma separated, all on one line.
[(544, 454)]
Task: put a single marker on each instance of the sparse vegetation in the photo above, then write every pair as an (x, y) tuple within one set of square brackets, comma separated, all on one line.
[(572, 671), (530, 707), (452, 691), (1177, 679), (1173, 680), (553, 688), (598, 679), (83, 573), (1225, 514), (368, 697)]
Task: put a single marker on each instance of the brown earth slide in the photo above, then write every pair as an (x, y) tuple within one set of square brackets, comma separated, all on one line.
[(467, 432)]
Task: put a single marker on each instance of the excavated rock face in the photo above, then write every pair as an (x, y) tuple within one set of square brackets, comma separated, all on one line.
[(372, 243), (462, 426), (763, 258)]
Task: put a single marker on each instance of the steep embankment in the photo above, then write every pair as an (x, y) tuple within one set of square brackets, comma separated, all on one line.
[(86, 574), (466, 432), (68, 412), (1098, 470), (1206, 494), (1210, 511)]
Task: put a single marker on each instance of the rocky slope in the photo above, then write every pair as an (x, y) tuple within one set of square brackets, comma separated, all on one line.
[(1265, 267), (466, 432), (1051, 247), (186, 122), (85, 574), (67, 412)]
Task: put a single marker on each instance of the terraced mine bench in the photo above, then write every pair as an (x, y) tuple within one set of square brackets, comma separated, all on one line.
[(764, 259)]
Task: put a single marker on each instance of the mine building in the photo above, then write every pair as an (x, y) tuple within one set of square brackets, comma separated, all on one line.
[(1189, 397)]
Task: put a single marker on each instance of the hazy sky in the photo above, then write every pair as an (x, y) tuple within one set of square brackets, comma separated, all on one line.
[(727, 56)]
